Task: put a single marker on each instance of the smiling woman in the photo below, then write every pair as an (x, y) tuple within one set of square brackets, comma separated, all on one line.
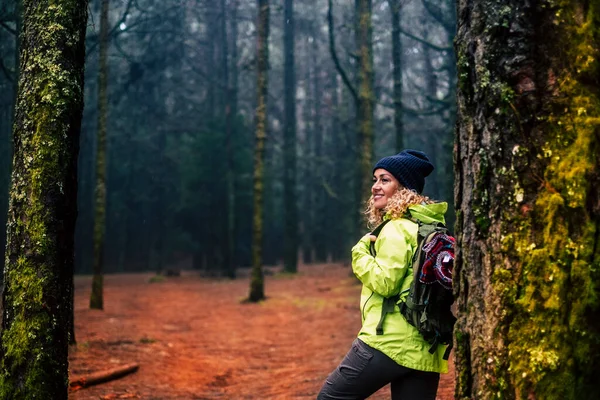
[(390, 350), (397, 183), (384, 187)]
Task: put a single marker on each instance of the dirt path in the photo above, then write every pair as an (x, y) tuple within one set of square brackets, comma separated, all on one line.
[(194, 339)]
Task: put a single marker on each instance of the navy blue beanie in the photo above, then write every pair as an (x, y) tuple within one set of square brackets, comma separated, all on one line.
[(410, 167)]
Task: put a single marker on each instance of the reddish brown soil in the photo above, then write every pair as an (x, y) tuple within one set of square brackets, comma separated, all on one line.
[(194, 338)]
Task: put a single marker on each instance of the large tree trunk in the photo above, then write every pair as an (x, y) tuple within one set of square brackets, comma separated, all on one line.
[(290, 254), (43, 202), (528, 218), (96, 296), (257, 292)]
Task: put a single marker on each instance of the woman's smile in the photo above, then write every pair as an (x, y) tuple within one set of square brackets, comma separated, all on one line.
[(384, 187)]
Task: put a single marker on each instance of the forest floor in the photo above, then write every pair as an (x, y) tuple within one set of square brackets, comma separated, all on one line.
[(194, 338)]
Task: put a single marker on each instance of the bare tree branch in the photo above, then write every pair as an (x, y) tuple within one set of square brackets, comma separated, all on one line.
[(425, 42), (8, 28), (437, 14), (414, 111), (112, 32)]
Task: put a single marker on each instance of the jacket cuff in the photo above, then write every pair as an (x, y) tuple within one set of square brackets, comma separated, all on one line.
[(363, 244)]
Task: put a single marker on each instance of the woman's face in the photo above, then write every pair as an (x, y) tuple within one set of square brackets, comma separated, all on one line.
[(384, 187)]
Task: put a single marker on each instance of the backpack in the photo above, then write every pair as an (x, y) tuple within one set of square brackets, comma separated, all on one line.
[(428, 304)]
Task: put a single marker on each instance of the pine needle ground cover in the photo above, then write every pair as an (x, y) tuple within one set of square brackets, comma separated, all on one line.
[(193, 338)]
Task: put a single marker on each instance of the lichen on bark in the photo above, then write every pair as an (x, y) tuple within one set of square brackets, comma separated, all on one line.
[(257, 292), (527, 159), (42, 209)]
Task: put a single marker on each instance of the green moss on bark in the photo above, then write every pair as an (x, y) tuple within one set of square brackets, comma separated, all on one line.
[(530, 135), (40, 228), (551, 345), (256, 281)]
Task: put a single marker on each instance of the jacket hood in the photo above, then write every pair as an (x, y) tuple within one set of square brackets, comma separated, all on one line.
[(429, 213)]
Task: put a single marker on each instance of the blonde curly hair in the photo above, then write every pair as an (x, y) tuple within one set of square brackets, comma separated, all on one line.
[(396, 206)]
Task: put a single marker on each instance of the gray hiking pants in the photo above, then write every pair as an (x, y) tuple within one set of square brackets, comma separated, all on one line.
[(365, 370)]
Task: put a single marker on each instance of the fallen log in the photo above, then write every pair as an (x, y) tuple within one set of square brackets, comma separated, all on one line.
[(102, 376)]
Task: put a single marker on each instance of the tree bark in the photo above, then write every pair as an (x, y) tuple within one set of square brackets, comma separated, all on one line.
[(229, 123), (43, 201), (257, 292), (366, 100), (308, 171), (232, 98), (96, 296), (290, 254), (397, 73), (528, 205), (318, 194)]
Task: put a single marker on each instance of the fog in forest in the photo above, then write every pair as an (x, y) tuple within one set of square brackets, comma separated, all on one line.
[(181, 91)]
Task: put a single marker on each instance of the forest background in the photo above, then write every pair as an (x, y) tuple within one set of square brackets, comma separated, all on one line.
[(190, 99), (180, 117)]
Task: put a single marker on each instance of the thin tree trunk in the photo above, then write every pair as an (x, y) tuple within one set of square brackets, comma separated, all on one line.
[(232, 119), (363, 101), (397, 73), (37, 297), (432, 133), (317, 193), (290, 254), (528, 219), (96, 296), (161, 197), (338, 232), (366, 102), (308, 217), (229, 252), (257, 292)]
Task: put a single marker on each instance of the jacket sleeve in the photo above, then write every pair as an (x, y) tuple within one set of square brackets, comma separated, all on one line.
[(384, 273)]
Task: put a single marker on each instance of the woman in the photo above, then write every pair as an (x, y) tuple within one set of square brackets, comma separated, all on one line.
[(400, 355)]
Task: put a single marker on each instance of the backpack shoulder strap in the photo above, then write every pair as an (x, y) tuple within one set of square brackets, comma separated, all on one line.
[(376, 233)]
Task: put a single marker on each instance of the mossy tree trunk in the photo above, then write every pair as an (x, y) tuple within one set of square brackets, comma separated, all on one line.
[(290, 254), (528, 205), (43, 195), (366, 100), (257, 291), (97, 296)]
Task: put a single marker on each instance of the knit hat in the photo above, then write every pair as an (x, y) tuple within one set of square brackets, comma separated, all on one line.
[(410, 167)]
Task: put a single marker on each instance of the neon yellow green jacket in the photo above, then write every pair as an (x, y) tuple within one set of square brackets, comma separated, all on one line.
[(390, 273)]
